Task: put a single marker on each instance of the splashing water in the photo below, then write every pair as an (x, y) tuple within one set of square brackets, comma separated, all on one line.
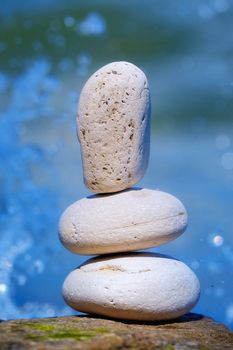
[(26, 214)]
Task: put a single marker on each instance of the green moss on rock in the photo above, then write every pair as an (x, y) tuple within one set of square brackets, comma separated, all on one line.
[(74, 334), (39, 326), (47, 331)]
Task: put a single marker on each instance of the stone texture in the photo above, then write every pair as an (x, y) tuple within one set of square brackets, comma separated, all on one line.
[(137, 218), (113, 126), (133, 286), (191, 332)]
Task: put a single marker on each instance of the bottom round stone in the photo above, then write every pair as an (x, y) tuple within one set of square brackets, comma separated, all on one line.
[(133, 286)]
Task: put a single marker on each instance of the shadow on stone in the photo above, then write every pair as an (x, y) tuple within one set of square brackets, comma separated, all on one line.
[(189, 317)]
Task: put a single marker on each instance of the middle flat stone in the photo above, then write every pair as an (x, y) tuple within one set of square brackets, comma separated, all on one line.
[(124, 221)]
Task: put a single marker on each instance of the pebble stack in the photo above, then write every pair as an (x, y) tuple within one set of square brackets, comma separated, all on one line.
[(113, 127)]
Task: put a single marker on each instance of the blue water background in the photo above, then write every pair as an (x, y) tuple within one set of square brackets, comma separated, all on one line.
[(47, 51)]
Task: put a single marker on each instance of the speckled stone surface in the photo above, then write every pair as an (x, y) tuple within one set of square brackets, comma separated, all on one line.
[(191, 332), (113, 126)]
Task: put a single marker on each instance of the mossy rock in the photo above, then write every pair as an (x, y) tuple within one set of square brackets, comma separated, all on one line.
[(87, 333)]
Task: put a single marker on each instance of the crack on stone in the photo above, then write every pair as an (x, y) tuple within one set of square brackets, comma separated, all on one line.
[(114, 268), (110, 268), (143, 223)]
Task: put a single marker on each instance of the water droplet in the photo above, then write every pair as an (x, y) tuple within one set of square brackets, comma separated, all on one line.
[(3, 288), (93, 24), (217, 240)]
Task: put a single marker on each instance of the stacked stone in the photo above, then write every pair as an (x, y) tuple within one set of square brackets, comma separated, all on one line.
[(114, 132)]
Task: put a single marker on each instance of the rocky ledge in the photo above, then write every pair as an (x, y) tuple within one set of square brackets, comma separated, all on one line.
[(191, 331)]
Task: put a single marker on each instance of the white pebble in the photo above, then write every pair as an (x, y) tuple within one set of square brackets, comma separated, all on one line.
[(136, 286), (129, 220), (113, 127)]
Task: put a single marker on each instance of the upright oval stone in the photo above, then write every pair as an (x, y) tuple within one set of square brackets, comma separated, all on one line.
[(136, 286), (113, 126)]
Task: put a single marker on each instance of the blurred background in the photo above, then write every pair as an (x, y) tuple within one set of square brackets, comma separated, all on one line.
[(47, 51)]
